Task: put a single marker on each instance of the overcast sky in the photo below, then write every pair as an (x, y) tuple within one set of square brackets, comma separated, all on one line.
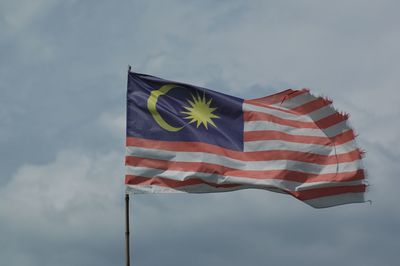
[(63, 71)]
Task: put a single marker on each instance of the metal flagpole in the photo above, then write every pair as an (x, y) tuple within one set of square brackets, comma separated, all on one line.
[(127, 248), (128, 259)]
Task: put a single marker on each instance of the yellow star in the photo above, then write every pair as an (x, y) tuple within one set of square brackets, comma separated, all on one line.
[(200, 111)]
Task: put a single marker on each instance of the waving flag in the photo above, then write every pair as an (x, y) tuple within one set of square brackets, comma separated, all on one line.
[(184, 138)]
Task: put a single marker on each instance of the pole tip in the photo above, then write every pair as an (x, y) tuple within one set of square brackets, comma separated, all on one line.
[(129, 68)]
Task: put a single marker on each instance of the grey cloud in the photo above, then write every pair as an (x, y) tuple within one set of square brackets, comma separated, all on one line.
[(49, 211)]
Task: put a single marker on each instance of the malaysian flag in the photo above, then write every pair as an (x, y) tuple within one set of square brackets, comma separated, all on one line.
[(184, 138)]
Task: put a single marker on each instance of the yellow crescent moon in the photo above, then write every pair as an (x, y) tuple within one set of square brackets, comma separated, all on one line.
[(151, 105)]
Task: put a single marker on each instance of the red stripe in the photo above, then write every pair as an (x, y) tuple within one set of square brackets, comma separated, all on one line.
[(277, 98), (301, 195), (184, 146), (327, 191), (311, 106), (279, 135), (320, 124), (210, 168), (331, 120)]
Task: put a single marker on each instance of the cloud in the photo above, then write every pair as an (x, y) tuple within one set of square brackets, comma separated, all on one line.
[(69, 204), (114, 123), (22, 13)]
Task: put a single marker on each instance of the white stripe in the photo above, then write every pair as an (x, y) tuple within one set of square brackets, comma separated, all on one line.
[(337, 129), (198, 157), (267, 145), (268, 125), (324, 184), (150, 189), (329, 201), (315, 132), (322, 113), (200, 188), (219, 179)]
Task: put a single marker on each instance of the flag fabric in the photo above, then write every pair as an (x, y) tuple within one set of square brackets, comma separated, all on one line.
[(184, 138)]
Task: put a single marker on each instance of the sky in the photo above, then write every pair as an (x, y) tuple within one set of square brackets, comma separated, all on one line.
[(63, 74)]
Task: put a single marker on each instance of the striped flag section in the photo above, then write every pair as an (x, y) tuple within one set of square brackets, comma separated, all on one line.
[(291, 142)]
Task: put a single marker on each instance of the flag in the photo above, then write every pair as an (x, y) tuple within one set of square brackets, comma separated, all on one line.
[(185, 138)]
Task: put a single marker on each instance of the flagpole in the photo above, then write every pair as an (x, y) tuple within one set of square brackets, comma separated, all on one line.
[(127, 248), (127, 251)]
